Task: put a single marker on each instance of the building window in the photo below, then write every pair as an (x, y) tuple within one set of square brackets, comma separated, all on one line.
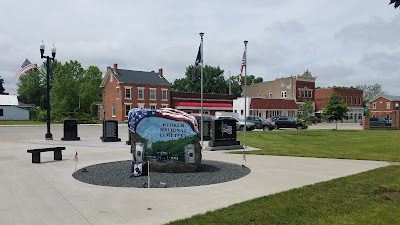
[(127, 109), (270, 95), (164, 105), (345, 99), (360, 116), (140, 105), (153, 106), (310, 93), (374, 105), (299, 92), (117, 92), (128, 92), (342, 99), (351, 100), (164, 94), (140, 92), (387, 105), (359, 100), (1, 112), (113, 110), (283, 94), (152, 94), (241, 112), (306, 94), (355, 100)]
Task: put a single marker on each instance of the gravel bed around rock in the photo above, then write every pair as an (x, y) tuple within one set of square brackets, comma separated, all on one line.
[(117, 174)]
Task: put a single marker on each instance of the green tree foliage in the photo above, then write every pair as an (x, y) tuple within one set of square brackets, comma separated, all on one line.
[(1, 86), (70, 85), (335, 109), (213, 82), (305, 110)]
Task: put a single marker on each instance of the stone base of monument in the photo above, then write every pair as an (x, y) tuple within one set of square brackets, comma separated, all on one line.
[(172, 167), (70, 138), (223, 145), (111, 139)]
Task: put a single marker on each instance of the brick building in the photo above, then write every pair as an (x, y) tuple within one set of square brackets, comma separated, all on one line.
[(353, 98), (191, 102), (266, 107), (384, 106), (299, 88), (126, 89)]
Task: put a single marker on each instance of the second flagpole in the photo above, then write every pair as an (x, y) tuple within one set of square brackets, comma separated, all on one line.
[(201, 92), (245, 100)]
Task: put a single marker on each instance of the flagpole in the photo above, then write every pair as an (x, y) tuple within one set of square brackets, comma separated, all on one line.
[(245, 100), (148, 173), (201, 92)]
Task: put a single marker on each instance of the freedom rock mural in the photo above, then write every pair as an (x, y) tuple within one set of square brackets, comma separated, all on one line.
[(164, 140)]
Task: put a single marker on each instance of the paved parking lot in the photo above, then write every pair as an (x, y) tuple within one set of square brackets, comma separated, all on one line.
[(47, 193)]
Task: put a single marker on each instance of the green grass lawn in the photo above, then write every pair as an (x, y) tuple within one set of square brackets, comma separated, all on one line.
[(371, 197), (383, 145)]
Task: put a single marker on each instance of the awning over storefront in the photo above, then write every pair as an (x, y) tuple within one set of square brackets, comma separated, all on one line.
[(206, 105)]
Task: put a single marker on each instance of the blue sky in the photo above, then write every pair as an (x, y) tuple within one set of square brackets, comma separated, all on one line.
[(341, 42)]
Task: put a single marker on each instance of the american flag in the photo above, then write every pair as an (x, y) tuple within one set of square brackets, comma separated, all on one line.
[(226, 129), (243, 65), (27, 65), (76, 156), (136, 115)]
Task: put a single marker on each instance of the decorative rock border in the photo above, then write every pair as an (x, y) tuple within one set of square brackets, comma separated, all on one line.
[(117, 174)]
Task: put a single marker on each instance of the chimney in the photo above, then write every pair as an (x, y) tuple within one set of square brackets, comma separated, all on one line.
[(115, 68), (160, 72)]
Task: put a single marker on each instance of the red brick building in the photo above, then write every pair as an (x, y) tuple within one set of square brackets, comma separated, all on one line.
[(299, 88), (126, 89), (191, 102), (384, 106), (353, 98)]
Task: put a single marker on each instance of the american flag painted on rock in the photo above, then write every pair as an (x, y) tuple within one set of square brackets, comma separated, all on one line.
[(136, 115)]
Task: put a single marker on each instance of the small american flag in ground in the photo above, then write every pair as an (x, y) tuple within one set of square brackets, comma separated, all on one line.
[(76, 156), (27, 65)]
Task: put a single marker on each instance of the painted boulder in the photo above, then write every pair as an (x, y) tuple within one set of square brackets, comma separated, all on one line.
[(166, 138)]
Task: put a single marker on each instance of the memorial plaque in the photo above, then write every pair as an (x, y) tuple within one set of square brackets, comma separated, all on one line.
[(110, 131), (70, 131), (224, 133)]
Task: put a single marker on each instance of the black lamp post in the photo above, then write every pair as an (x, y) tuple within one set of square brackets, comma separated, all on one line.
[(48, 136)]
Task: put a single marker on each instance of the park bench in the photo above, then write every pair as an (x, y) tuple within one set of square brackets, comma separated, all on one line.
[(36, 153)]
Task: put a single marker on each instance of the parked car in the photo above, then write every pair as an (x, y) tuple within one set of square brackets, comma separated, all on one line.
[(240, 124), (287, 122), (313, 119), (388, 122), (260, 123), (377, 122)]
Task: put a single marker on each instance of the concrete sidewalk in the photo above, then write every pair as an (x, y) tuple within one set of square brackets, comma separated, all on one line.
[(47, 193)]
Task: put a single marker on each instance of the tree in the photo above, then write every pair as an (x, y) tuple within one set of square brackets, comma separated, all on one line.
[(306, 109), (1, 86), (31, 87), (395, 2), (370, 92), (335, 109), (213, 81)]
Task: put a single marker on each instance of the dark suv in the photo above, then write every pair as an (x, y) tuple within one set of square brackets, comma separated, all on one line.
[(313, 119), (260, 123), (378, 122), (287, 122)]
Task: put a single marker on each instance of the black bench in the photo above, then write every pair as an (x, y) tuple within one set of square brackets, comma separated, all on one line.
[(36, 153)]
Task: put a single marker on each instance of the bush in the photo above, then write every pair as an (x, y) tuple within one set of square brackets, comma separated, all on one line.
[(41, 115)]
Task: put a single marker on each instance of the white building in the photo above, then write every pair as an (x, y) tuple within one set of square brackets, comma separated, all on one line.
[(265, 107), (10, 109)]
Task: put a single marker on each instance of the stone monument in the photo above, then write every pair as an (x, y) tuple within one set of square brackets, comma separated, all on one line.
[(167, 139)]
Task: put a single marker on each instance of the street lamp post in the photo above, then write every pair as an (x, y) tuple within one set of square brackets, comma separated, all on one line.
[(396, 107), (48, 136)]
